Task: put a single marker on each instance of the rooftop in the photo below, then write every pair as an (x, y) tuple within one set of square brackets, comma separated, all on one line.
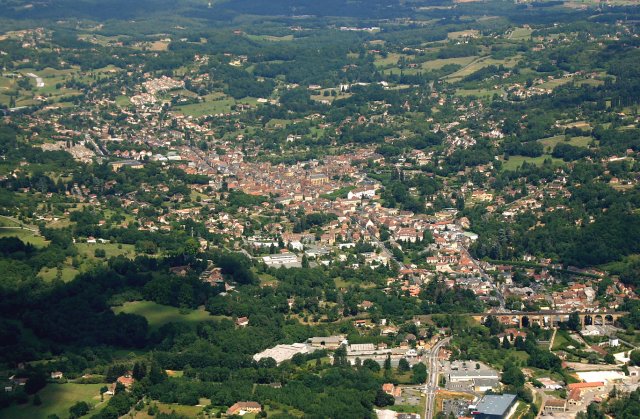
[(494, 404)]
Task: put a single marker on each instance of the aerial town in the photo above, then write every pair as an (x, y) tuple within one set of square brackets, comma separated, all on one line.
[(409, 210)]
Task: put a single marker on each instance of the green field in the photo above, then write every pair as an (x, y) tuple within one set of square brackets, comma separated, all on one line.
[(188, 411), (478, 63), (56, 400), (271, 38), (563, 340), (551, 142), (439, 63), (158, 315), (390, 60), (463, 34), (26, 236), (68, 273), (515, 162), (520, 33), (552, 84), (215, 103), (123, 101), (480, 93), (111, 249)]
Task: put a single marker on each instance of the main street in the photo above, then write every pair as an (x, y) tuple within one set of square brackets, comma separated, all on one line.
[(431, 386)]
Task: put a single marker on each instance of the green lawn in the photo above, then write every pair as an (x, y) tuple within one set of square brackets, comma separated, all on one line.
[(111, 249), (482, 62), (215, 103), (552, 84), (551, 142), (341, 283), (158, 315), (463, 34), (520, 33), (480, 93), (56, 400), (188, 411), (439, 63), (24, 235), (390, 60), (68, 273), (563, 340), (515, 162), (271, 38), (123, 101)]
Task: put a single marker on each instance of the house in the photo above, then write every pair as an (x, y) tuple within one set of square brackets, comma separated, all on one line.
[(550, 384), (553, 405), (391, 389), (133, 164), (126, 380), (56, 375), (575, 390), (366, 305), (242, 321), (240, 408), (180, 270), (18, 381), (598, 385)]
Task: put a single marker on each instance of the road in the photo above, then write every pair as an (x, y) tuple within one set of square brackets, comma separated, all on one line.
[(39, 80), (431, 386), (374, 240)]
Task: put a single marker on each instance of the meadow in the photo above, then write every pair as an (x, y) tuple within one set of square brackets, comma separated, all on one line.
[(56, 400), (515, 162), (158, 315), (551, 142)]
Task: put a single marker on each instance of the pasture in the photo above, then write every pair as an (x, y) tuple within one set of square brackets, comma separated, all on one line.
[(56, 400), (158, 315), (515, 162)]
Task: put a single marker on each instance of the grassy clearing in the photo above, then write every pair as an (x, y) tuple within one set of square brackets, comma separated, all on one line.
[(563, 340), (552, 84), (215, 103), (439, 63), (67, 273), (158, 315), (56, 400), (341, 283), (551, 142), (482, 62), (267, 280), (111, 250), (520, 33), (390, 60), (515, 162), (123, 101), (463, 34), (271, 38), (480, 93), (182, 410), (26, 236)]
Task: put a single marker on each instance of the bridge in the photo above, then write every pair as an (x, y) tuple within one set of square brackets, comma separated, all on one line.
[(552, 318)]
